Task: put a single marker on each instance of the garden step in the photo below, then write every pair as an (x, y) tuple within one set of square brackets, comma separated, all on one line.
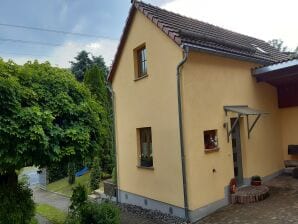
[(94, 197)]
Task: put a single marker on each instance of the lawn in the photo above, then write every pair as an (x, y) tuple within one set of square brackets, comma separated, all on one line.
[(63, 187), (54, 215), (34, 221)]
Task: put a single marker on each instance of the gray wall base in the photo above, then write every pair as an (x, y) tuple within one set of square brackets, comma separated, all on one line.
[(199, 213), (210, 208), (147, 203)]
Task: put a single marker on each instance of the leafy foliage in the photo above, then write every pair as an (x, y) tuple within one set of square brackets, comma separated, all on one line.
[(46, 116), (279, 45), (95, 176), (105, 213), (16, 206), (57, 171), (79, 197), (114, 175), (80, 65), (95, 81)]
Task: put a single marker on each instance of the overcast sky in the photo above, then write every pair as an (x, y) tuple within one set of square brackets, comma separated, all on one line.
[(267, 19)]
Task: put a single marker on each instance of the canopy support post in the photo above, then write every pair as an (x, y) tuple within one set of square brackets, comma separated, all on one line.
[(233, 126), (253, 124)]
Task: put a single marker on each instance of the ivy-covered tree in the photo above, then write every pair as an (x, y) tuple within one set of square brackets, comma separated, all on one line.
[(96, 82), (46, 116)]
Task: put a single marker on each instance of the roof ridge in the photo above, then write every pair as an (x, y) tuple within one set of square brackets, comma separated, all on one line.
[(197, 20), (203, 36)]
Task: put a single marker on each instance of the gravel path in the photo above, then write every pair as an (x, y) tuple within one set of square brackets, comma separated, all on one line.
[(41, 220)]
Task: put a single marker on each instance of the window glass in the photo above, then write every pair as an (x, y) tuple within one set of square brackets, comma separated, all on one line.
[(146, 158)]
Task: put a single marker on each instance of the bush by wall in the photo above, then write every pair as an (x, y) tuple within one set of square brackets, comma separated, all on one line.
[(105, 213), (95, 176), (16, 205), (79, 197)]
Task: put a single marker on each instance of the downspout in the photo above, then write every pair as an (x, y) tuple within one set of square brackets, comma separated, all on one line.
[(179, 69), (114, 137)]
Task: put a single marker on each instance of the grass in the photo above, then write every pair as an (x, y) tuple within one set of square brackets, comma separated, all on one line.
[(34, 221), (63, 187), (54, 215)]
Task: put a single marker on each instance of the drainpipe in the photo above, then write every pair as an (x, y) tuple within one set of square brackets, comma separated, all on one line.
[(114, 137), (179, 69)]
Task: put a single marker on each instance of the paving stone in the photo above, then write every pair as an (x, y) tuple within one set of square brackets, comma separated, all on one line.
[(279, 208)]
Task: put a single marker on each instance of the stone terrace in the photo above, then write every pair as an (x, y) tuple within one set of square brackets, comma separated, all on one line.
[(281, 207)]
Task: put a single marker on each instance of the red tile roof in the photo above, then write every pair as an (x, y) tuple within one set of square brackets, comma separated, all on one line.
[(187, 31)]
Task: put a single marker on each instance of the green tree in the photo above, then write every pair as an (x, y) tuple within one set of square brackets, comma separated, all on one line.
[(46, 116), (100, 63), (279, 45), (80, 65), (95, 176), (95, 81)]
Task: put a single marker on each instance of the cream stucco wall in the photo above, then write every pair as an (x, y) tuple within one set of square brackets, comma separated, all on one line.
[(209, 83), (289, 121), (149, 102)]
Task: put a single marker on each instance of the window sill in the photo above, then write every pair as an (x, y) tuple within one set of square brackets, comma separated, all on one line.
[(212, 150), (142, 77), (145, 168)]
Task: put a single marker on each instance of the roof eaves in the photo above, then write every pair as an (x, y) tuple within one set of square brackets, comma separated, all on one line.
[(227, 54), (275, 66)]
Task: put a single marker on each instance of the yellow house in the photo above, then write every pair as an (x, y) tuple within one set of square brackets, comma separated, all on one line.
[(195, 106)]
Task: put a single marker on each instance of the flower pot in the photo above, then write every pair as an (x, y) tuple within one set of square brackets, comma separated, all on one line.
[(146, 163), (256, 183)]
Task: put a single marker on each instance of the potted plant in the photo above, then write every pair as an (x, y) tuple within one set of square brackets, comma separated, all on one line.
[(256, 180), (146, 161)]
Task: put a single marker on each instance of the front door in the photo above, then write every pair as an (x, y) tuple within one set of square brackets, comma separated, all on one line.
[(237, 156)]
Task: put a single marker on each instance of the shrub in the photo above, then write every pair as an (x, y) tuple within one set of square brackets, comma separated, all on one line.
[(105, 213), (72, 219), (79, 197), (57, 171), (95, 175), (256, 178), (16, 206)]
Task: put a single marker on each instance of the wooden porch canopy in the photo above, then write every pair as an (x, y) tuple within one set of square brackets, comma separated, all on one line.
[(284, 76), (243, 111)]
